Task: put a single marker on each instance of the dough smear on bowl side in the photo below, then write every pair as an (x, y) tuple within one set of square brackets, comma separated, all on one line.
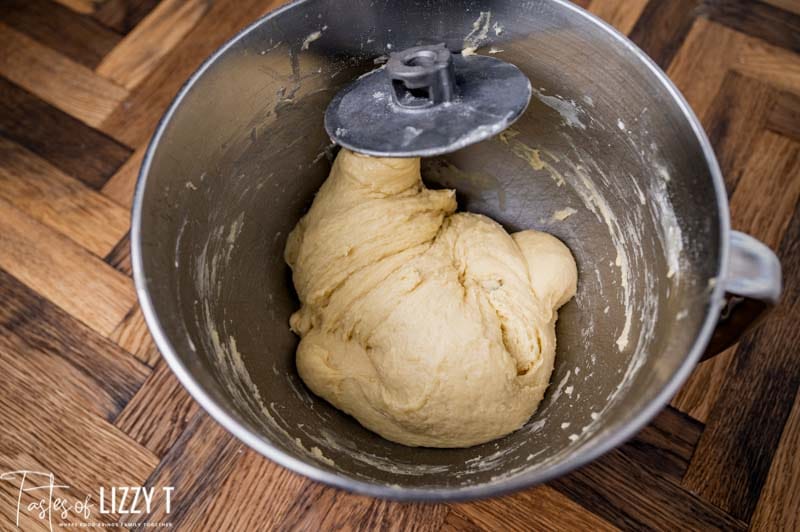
[(430, 327)]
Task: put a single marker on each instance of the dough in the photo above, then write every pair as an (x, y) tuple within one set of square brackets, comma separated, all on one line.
[(429, 327)]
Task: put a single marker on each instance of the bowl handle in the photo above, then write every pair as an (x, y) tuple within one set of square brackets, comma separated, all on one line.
[(752, 287)]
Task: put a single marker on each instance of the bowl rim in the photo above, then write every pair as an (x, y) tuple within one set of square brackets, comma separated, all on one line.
[(309, 469)]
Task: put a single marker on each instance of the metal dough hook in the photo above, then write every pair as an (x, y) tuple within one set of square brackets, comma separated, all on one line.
[(427, 101)]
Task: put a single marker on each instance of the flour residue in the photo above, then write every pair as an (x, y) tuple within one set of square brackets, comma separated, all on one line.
[(584, 185), (482, 132), (348, 448), (672, 239), (563, 214), (568, 109), (479, 34), (530, 155), (311, 37), (230, 366), (409, 134), (317, 453)]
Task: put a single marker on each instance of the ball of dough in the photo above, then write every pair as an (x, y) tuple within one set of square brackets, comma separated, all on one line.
[(430, 327)]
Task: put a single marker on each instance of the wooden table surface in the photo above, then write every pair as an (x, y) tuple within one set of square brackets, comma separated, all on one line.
[(85, 395)]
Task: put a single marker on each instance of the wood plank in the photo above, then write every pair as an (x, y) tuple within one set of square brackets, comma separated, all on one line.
[(85, 7), (662, 28), (735, 121), (80, 449), (30, 518), (787, 5), (622, 14), (666, 445), (784, 117), (770, 189), (77, 37), (457, 522), (144, 47), (133, 336), (758, 19), (633, 498), (123, 15), (539, 508), (83, 450), (62, 271), (253, 478), (70, 145), (291, 502), (196, 465), (56, 350), (65, 204), (770, 64), (10, 496), (761, 206), (120, 256), (70, 86), (318, 507), (159, 413), (699, 67), (121, 186), (733, 457), (779, 505), (134, 121)]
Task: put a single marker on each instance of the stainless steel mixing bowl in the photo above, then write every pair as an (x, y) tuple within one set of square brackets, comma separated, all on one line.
[(237, 159)]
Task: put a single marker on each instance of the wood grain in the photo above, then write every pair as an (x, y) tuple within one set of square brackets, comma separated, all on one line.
[(787, 5), (316, 507), (665, 447), (735, 120), (70, 145), (622, 14), (633, 498), (743, 430), (132, 335), (144, 47), (85, 7), (119, 257), (56, 79), (79, 38), (86, 287), (123, 15), (196, 464), (784, 117), (776, 26), (769, 64), (159, 412), (762, 206), (49, 432), (780, 497), (62, 353), (65, 204), (121, 186), (700, 65), (252, 478), (134, 121), (662, 27), (541, 508), (456, 522)]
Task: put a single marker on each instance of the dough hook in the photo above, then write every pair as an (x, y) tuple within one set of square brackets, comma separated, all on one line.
[(427, 101)]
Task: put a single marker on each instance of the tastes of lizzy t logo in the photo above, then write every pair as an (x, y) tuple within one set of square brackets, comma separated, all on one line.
[(39, 496)]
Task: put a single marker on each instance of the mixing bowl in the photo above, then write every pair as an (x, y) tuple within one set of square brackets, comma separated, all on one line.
[(608, 157)]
